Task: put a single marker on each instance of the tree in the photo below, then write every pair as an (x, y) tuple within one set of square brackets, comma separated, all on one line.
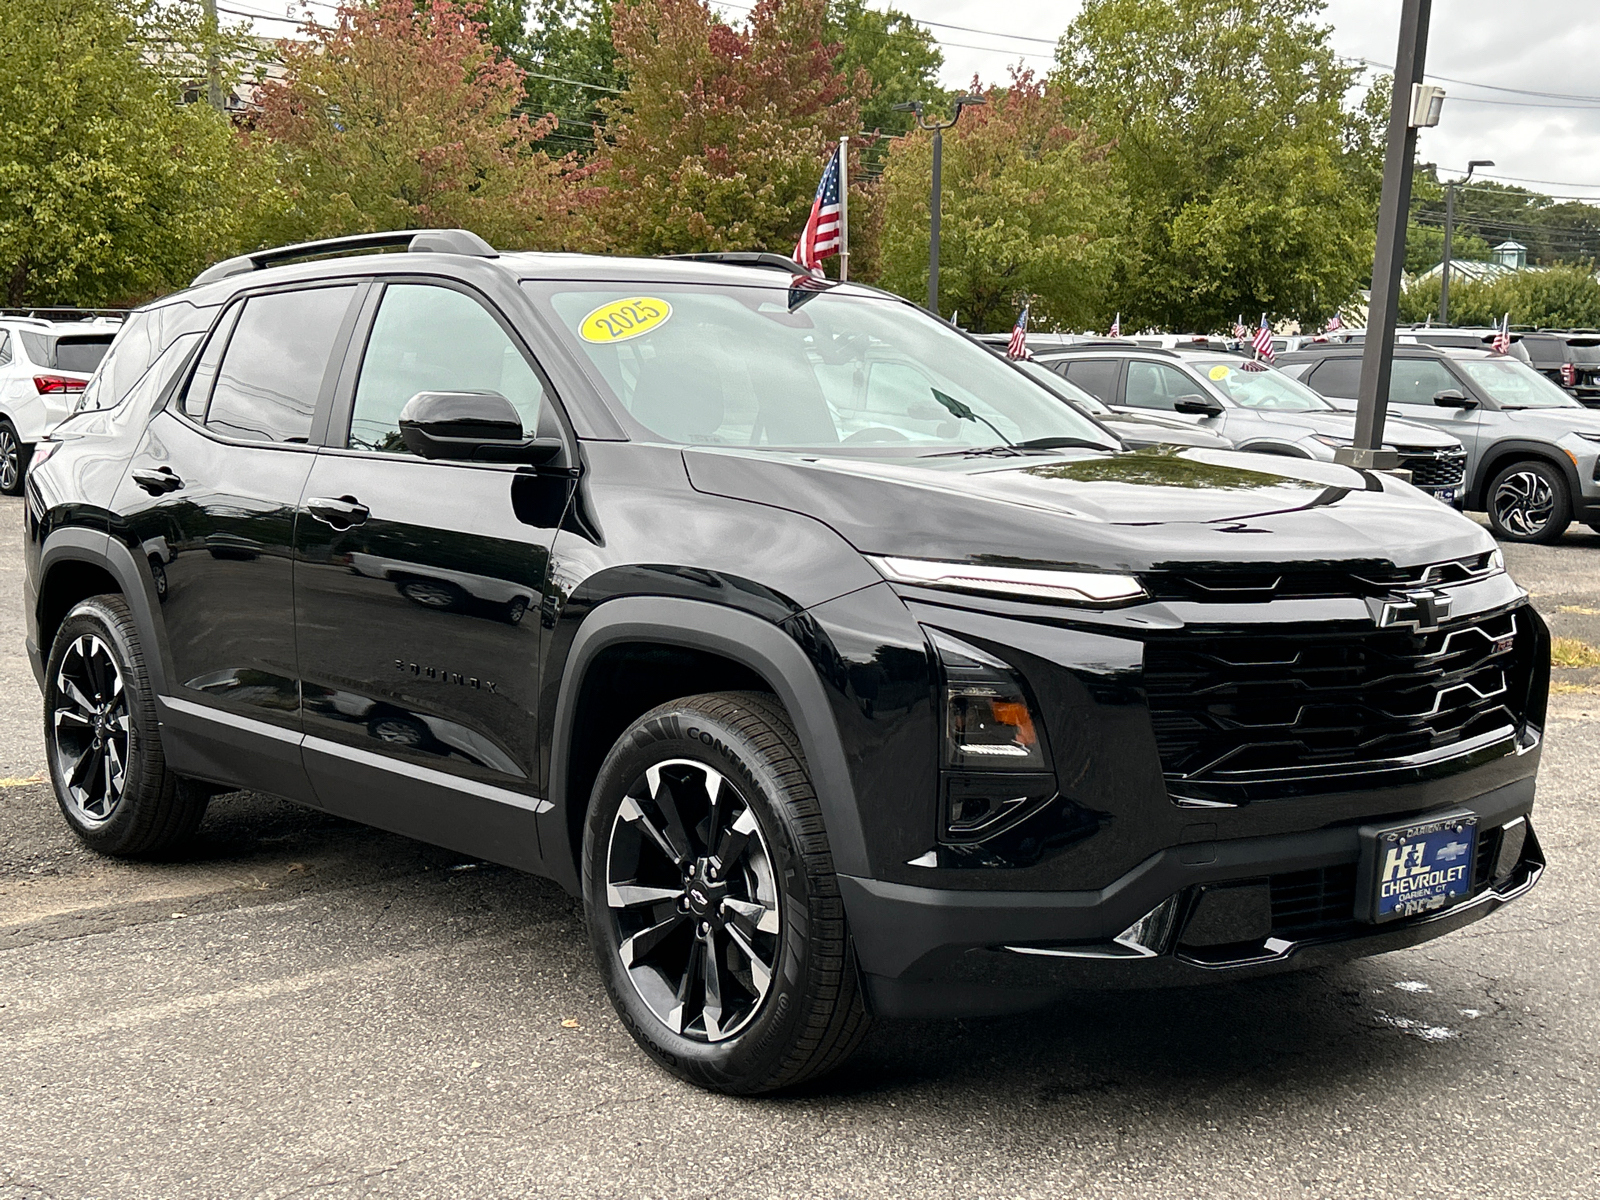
[(1567, 232), (720, 135), (1251, 187), (110, 189), (899, 56), (1562, 297), (403, 116), (572, 66), (1030, 212)]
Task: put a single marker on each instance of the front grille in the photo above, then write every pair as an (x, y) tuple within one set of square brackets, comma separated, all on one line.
[(1306, 903), (1286, 713), (1311, 581), (1430, 470)]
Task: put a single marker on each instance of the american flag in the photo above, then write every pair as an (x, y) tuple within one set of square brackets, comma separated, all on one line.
[(1263, 341), (1502, 337), (1116, 327), (1241, 331), (1335, 323), (1017, 347), (820, 238)]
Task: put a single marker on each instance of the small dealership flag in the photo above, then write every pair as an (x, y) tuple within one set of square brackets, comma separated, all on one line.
[(1116, 327), (821, 237), (1241, 331), (1263, 341), (1335, 323), (1018, 346), (1502, 337)]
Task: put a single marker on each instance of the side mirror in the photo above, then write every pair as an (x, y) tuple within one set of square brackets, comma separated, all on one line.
[(1451, 398), (1197, 406), (470, 426)]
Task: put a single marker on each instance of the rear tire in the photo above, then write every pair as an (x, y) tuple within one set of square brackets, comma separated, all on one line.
[(712, 903), (103, 741), (1529, 501), (13, 459)]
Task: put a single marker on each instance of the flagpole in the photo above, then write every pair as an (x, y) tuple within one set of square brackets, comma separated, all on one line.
[(844, 207)]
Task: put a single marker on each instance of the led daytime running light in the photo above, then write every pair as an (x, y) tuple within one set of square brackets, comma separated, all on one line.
[(1073, 587)]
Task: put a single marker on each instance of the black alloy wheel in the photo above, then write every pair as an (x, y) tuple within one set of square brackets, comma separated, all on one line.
[(103, 738), (13, 460), (1528, 502), (712, 904)]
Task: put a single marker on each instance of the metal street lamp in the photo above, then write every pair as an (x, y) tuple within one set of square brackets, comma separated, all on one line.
[(1449, 232), (966, 100)]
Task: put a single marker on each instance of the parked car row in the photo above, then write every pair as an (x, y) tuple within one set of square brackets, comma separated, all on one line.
[(841, 669), (44, 366)]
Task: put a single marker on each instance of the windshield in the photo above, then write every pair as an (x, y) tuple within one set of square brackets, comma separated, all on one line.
[(1251, 385), (805, 366), (1514, 385), (1585, 352), (1065, 388)]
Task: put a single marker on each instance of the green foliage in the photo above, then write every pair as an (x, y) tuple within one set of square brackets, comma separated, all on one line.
[(1425, 247), (1251, 188), (1564, 297), (1566, 232), (1030, 212), (720, 136), (899, 56), (572, 66), (110, 190), (399, 116)]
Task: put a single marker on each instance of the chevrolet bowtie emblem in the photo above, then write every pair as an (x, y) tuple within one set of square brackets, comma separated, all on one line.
[(1422, 611)]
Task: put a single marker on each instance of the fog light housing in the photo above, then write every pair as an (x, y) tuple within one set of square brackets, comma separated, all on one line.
[(978, 806), (989, 724), (1513, 836)]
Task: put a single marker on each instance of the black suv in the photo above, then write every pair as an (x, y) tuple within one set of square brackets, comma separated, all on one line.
[(1569, 359), (840, 668)]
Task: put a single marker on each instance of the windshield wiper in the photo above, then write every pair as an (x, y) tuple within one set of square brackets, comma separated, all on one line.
[(963, 412), (1019, 449)]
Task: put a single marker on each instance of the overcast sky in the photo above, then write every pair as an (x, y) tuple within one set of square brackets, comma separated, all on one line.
[(1549, 46)]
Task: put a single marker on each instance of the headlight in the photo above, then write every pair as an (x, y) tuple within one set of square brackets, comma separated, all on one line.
[(1070, 587), (1588, 437), (997, 768)]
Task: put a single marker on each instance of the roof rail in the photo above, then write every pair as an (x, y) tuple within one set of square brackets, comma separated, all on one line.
[(1125, 346), (417, 241), (745, 258)]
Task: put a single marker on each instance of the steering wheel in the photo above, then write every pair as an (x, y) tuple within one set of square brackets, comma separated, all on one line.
[(875, 433)]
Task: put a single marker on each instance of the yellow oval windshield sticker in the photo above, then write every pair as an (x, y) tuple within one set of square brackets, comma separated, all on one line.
[(623, 319), (1220, 372)]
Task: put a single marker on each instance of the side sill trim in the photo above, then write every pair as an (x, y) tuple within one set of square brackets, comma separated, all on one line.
[(366, 758)]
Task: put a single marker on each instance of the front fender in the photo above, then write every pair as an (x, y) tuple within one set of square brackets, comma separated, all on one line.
[(764, 648)]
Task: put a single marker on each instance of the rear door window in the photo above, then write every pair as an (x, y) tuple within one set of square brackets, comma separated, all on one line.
[(272, 371), (1337, 377), (1098, 378)]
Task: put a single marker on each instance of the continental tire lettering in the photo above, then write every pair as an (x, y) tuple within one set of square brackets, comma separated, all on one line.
[(717, 744)]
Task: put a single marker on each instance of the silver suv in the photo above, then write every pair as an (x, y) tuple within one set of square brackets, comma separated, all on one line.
[(1255, 407), (1532, 450)]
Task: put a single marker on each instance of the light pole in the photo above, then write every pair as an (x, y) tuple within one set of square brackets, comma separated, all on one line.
[(1413, 105), (1449, 232), (966, 100)]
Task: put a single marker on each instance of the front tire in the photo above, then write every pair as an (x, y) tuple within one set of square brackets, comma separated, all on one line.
[(712, 903), (103, 742), (1529, 501), (13, 459)]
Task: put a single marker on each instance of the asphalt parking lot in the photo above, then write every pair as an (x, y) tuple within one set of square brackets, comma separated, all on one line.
[(302, 1007)]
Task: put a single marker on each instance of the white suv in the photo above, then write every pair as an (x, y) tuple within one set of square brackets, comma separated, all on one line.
[(43, 368)]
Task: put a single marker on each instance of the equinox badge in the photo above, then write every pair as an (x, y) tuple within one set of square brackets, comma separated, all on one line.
[(1422, 611)]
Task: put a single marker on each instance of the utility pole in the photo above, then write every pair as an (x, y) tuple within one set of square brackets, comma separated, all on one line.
[(1449, 233), (844, 207), (1413, 105), (213, 67), (938, 127)]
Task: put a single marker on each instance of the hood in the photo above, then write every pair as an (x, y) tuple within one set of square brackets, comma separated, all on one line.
[(1554, 423), (1142, 510), (1343, 424), (1147, 431)]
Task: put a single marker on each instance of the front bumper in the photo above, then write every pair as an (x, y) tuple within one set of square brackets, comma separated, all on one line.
[(928, 952)]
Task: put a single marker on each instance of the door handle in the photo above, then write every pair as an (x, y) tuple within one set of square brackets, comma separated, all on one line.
[(157, 482), (341, 512)]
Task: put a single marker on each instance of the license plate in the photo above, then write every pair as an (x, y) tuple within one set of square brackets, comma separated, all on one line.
[(1421, 867), (1446, 495)]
